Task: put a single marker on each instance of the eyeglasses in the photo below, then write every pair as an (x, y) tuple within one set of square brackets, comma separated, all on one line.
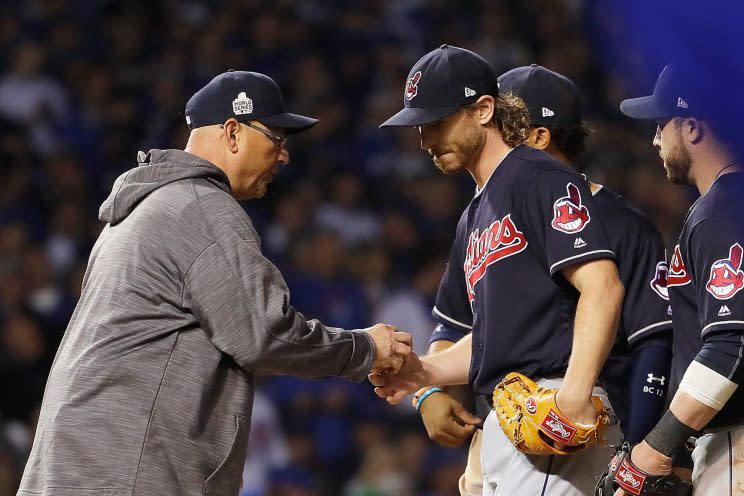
[(278, 139)]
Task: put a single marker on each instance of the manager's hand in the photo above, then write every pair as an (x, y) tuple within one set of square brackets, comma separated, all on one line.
[(391, 347)]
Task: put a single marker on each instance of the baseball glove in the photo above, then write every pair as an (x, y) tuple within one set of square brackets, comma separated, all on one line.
[(621, 473), (530, 418)]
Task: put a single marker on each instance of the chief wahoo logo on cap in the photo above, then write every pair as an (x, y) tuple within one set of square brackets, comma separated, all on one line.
[(412, 85), (725, 277), (569, 215)]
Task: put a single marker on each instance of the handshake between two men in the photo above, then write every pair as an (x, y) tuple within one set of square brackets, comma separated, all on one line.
[(393, 348)]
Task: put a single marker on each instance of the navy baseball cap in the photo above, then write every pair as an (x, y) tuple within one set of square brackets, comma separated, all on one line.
[(440, 83), (246, 96), (678, 93), (552, 98)]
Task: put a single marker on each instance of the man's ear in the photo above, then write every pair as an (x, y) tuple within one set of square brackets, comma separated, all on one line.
[(539, 138), (231, 129), (486, 106), (693, 130)]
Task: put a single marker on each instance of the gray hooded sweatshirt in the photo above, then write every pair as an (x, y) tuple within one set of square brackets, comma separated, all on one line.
[(152, 386)]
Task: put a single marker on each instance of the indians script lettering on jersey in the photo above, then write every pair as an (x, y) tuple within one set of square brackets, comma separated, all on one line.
[(502, 239)]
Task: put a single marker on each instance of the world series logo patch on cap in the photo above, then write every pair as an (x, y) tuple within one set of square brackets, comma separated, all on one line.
[(242, 104)]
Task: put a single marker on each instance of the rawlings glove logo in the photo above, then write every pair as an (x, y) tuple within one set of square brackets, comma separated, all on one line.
[(629, 478), (569, 215), (556, 428), (531, 405), (725, 277)]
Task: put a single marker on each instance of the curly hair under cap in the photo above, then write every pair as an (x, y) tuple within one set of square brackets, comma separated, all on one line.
[(512, 118)]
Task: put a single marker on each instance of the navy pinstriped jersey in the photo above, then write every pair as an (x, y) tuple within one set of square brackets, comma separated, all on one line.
[(533, 217), (706, 289)]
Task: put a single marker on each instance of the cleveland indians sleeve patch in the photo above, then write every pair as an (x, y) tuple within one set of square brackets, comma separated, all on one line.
[(644, 311), (559, 217), (726, 279), (660, 280), (716, 257), (569, 215)]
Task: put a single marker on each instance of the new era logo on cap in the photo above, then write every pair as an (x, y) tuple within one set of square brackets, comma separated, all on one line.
[(469, 92), (552, 98), (681, 103), (242, 104)]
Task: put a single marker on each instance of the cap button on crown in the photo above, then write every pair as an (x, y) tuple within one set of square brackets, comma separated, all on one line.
[(444, 46)]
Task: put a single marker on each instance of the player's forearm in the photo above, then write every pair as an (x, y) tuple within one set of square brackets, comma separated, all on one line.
[(438, 346), (702, 393), (690, 411), (450, 366), (595, 328)]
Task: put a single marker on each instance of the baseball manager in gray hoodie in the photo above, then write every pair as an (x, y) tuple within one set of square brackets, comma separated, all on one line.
[(152, 386)]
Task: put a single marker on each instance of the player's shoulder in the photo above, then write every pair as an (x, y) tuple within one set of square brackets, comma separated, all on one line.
[(618, 211), (724, 200), (530, 167), (536, 161)]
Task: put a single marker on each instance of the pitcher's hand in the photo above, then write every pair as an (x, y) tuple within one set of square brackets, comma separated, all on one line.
[(394, 386)]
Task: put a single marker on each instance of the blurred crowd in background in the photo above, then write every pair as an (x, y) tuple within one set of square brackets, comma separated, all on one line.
[(360, 222)]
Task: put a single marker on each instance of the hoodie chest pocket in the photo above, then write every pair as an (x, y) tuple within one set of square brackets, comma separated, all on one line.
[(225, 480)]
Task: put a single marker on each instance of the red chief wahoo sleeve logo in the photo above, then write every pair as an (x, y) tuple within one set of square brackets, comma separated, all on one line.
[(661, 280), (412, 85), (569, 215), (725, 277), (678, 274), (502, 239)]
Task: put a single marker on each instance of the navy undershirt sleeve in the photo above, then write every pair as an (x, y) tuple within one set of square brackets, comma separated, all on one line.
[(647, 387), (723, 352)]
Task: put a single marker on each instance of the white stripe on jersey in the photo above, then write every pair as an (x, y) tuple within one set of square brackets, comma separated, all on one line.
[(738, 359), (450, 319), (579, 256), (712, 324), (648, 328)]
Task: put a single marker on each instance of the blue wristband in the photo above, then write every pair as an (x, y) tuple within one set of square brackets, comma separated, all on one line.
[(428, 393)]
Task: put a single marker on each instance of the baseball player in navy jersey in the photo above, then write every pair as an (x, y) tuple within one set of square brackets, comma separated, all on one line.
[(637, 372), (699, 145), (516, 275)]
